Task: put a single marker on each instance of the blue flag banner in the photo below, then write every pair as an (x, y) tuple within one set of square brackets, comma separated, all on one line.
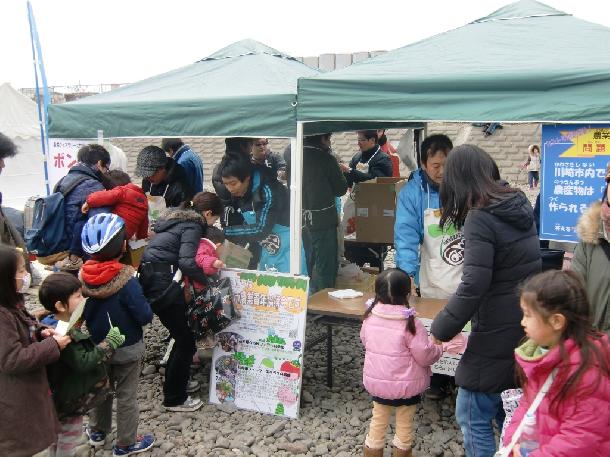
[(41, 78), (574, 159)]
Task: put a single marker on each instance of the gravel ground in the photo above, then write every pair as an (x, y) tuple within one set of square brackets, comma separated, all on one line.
[(332, 421)]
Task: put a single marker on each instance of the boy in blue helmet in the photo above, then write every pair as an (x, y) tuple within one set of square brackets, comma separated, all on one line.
[(115, 299)]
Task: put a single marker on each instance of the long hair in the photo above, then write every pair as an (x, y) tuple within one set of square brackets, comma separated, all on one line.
[(562, 292), (393, 287), (9, 296), (470, 180)]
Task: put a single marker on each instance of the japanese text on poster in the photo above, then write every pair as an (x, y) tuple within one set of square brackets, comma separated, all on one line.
[(574, 159), (61, 157), (257, 364)]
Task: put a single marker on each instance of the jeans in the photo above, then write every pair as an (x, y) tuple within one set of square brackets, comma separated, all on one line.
[(76, 246), (178, 367), (474, 412), (532, 178), (124, 379)]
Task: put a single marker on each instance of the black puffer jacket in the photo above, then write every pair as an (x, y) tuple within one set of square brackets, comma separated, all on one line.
[(500, 252), (178, 233), (175, 186), (380, 165)]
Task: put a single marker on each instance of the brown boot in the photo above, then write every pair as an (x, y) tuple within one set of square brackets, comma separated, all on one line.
[(370, 452), (397, 452)]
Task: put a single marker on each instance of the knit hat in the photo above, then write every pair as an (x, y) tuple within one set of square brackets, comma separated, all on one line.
[(150, 159)]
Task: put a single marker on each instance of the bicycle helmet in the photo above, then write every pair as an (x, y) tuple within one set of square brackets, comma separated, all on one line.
[(99, 231)]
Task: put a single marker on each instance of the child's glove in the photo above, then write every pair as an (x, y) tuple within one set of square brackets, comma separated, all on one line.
[(114, 337), (457, 345)]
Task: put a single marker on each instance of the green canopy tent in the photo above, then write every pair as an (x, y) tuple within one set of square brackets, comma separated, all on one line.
[(524, 62), (246, 89)]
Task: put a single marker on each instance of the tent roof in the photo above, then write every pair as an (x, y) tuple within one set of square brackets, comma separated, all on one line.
[(524, 62), (18, 114), (246, 89)]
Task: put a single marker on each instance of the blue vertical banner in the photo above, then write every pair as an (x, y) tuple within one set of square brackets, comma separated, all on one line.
[(574, 160), (41, 78)]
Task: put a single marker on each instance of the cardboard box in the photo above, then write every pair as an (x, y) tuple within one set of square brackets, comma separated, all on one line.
[(376, 209), (233, 255)]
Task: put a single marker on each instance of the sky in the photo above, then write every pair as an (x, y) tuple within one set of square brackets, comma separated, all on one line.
[(122, 41)]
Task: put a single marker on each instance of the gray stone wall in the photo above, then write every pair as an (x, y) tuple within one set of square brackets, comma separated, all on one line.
[(508, 146)]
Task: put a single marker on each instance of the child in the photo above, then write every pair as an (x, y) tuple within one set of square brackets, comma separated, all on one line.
[(398, 356), (29, 423), (126, 199), (533, 165), (115, 299), (573, 417), (78, 380), (207, 255)]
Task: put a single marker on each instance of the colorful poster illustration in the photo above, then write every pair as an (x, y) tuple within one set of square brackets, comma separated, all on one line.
[(61, 157), (574, 160), (257, 364)]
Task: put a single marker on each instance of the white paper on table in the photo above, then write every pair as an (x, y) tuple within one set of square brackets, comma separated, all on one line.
[(345, 293), (62, 328)]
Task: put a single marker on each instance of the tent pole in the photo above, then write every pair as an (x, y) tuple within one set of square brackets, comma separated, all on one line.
[(296, 192)]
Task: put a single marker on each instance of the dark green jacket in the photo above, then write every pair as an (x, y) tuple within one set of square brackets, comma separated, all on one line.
[(79, 380), (322, 183)]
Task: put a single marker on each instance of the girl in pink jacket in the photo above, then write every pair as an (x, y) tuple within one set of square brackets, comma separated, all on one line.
[(397, 362), (574, 416)]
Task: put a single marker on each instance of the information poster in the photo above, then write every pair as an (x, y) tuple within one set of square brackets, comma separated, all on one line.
[(448, 363), (61, 157), (574, 160), (258, 362)]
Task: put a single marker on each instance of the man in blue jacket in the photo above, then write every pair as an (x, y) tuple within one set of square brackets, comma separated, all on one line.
[(93, 163), (188, 159), (430, 256)]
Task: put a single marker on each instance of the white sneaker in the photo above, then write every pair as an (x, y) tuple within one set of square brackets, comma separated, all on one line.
[(189, 405), (192, 386)]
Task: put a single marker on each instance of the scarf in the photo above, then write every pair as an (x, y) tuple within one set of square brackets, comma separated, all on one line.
[(97, 273)]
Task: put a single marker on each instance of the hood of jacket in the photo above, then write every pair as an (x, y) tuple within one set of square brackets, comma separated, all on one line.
[(111, 287), (78, 170), (533, 360), (513, 208), (589, 224), (174, 216)]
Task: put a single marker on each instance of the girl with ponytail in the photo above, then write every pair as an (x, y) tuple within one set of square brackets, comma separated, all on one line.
[(397, 361)]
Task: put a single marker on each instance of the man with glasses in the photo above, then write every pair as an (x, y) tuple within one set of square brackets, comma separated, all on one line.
[(370, 162), (262, 155)]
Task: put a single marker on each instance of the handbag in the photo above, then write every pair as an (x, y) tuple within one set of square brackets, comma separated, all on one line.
[(212, 309), (507, 451)]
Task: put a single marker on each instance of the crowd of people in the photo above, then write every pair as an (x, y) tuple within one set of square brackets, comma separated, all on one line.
[(461, 234)]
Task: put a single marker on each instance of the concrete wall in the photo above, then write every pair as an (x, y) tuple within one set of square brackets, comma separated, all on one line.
[(508, 146)]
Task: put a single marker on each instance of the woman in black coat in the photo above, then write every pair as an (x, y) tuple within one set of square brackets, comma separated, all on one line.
[(500, 251), (173, 248)]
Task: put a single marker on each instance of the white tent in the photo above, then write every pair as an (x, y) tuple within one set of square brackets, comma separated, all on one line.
[(23, 175)]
